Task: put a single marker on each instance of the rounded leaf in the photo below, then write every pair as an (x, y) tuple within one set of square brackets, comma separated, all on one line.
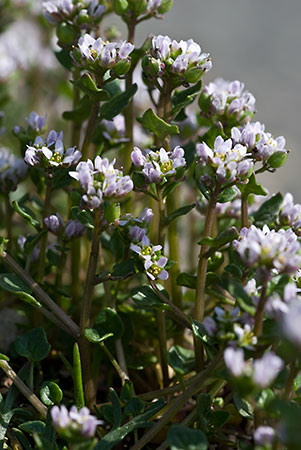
[(51, 394)]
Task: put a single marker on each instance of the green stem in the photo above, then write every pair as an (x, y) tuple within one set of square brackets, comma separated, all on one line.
[(175, 406), (260, 310), (30, 375), (31, 397), (90, 130), (40, 294), (43, 244), (244, 212), (200, 295), (129, 111), (121, 357), (122, 374), (293, 372), (86, 312), (8, 222)]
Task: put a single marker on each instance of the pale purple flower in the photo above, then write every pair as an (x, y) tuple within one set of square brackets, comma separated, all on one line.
[(229, 97), (158, 166), (99, 53), (235, 362), (71, 11), (266, 369), (269, 248), (210, 326), (264, 435), (74, 229), (222, 315), (136, 234), (228, 162), (290, 213), (154, 262), (75, 422), (146, 215), (259, 142), (245, 336), (100, 180), (35, 122), (54, 223), (51, 153), (291, 323), (13, 170)]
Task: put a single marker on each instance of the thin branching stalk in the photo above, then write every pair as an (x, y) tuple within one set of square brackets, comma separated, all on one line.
[(85, 313), (43, 244), (244, 212), (41, 294), (90, 130), (289, 386), (179, 402), (31, 397), (260, 310), (200, 295), (122, 373)]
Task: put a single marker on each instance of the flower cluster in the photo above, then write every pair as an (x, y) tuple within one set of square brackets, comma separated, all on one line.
[(12, 171), (70, 230), (269, 249), (259, 142), (169, 58), (229, 98), (100, 180), (136, 8), (74, 424), (136, 228), (158, 166), (262, 371), (98, 55), (152, 258), (228, 162), (82, 14), (51, 153), (290, 213)]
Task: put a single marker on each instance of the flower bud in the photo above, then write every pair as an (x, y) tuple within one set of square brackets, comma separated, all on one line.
[(150, 66), (65, 33), (193, 75), (120, 6), (112, 212), (83, 17), (122, 67), (277, 159), (138, 6), (165, 6)]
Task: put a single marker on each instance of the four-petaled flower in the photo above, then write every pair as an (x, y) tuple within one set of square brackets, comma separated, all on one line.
[(154, 262)]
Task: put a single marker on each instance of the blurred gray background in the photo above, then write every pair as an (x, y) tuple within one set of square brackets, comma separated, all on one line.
[(257, 42)]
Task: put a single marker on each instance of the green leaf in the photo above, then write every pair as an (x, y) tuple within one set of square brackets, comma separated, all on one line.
[(169, 188), (181, 99), (277, 159), (51, 393), (88, 86), (134, 407), (178, 212), (61, 178), (219, 418), (12, 283), (225, 237), (2, 356), (145, 296), (77, 378), (81, 112), (95, 337), (187, 280), (203, 405), (252, 187), (227, 195), (116, 408), (64, 59), (268, 211), (124, 268), (26, 213), (33, 345), (243, 407), (237, 291), (108, 321), (27, 298), (83, 217), (181, 437), (180, 359), (158, 126), (5, 418), (127, 391), (117, 104), (33, 426), (117, 435)]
